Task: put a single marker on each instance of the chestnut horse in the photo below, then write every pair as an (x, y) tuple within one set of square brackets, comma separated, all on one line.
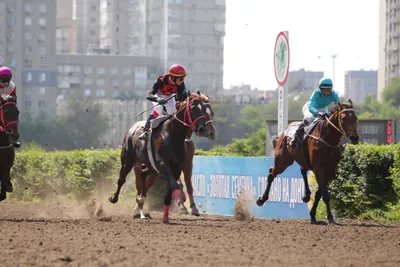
[(320, 152), (9, 115), (169, 149)]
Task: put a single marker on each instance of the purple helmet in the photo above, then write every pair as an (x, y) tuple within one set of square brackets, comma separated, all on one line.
[(5, 72)]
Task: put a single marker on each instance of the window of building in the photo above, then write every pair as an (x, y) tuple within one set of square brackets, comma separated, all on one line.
[(88, 92), (100, 70), (42, 22), (100, 81), (88, 70), (28, 77), (28, 21), (42, 91), (41, 103), (100, 92), (42, 77), (88, 81)]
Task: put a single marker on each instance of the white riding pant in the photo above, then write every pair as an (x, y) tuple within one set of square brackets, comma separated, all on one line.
[(308, 116), (170, 107)]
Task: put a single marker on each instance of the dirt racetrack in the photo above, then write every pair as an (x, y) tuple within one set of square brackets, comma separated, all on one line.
[(62, 235)]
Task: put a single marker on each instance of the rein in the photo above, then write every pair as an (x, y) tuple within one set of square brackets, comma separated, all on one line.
[(339, 129), (190, 123), (3, 125)]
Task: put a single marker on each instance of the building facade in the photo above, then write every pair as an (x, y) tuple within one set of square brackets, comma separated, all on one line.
[(358, 84)]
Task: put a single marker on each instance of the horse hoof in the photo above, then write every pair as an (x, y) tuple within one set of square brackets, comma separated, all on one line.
[(3, 197), (332, 222), (113, 199), (183, 210), (260, 202), (306, 199), (195, 212)]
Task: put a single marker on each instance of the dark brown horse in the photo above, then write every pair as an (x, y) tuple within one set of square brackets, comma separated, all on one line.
[(319, 152), (168, 147), (9, 115)]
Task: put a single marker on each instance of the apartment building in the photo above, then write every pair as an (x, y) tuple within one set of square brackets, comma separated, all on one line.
[(105, 76), (358, 84), (27, 36), (188, 32), (66, 34), (389, 46)]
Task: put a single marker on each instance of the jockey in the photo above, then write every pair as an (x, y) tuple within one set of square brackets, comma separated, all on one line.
[(7, 87), (163, 88), (317, 106)]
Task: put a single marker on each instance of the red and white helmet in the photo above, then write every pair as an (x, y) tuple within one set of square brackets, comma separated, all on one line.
[(177, 70), (5, 72)]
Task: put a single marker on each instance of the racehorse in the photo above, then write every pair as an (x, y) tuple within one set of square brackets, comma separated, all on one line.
[(320, 152), (9, 115), (167, 145), (187, 170)]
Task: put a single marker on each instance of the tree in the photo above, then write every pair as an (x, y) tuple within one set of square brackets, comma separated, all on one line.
[(391, 94)]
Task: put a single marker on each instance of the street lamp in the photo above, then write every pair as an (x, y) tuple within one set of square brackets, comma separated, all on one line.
[(333, 65)]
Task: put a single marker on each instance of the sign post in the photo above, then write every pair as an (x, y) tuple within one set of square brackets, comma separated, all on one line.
[(281, 68)]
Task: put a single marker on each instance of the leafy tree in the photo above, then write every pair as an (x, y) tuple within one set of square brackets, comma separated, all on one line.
[(391, 94)]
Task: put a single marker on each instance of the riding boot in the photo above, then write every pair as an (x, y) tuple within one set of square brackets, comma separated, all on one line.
[(299, 134), (9, 187), (146, 128)]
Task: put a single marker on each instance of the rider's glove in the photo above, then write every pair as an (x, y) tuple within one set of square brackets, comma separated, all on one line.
[(162, 101)]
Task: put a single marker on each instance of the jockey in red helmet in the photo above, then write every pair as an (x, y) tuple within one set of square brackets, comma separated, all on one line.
[(171, 86)]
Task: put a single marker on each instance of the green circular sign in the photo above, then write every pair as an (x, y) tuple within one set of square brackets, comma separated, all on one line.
[(281, 58)]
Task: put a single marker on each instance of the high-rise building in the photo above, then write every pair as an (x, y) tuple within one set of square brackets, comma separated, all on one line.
[(27, 36), (389, 43), (187, 32), (358, 84)]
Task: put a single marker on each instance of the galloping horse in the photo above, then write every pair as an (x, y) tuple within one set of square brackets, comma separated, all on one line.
[(320, 152), (166, 153), (8, 135), (187, 168)]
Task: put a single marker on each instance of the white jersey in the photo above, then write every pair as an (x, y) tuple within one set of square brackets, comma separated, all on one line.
[(11, 89)]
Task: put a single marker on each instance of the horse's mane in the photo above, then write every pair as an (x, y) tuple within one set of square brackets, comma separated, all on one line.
[(203, 97), (344, 105)]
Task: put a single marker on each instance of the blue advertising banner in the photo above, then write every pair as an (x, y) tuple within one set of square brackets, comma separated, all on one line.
[(218, 181)]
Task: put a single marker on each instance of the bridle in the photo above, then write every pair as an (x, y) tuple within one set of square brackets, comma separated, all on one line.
[(3, 126), (339, 129), (187, 117)]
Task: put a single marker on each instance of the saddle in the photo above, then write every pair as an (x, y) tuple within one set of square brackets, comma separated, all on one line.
[(292, 129)]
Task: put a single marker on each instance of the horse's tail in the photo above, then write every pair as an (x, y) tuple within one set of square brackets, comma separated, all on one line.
[(274, 140), (127, 154)]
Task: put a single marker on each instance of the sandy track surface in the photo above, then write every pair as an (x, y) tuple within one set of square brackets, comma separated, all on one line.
[(66, 235)]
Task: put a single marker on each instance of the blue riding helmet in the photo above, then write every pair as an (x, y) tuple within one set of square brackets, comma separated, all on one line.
[(326, 82)]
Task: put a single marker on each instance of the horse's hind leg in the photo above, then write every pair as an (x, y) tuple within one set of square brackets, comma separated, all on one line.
[(282, 161), (127, 161), (307, 191), (313, 210), (144, 180)]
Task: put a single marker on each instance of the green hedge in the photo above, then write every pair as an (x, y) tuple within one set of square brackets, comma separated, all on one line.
[(368, 182), (40, 175)]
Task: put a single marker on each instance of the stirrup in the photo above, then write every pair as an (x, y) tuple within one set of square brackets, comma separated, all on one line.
[(145, 133)]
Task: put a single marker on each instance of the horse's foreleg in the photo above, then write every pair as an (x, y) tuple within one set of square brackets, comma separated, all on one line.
[(182, 199), (306, 197), (326, 197), (3, 192), (187, 171)]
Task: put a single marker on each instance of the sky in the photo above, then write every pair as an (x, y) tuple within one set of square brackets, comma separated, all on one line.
[(317, 28)]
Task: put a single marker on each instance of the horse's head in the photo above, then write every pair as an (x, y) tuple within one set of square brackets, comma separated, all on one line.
[(211, 132), (196, 112), (347, 120), (9, 115)]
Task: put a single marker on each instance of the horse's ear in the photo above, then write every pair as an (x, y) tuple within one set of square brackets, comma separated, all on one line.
[(198, 92), (351, 102)]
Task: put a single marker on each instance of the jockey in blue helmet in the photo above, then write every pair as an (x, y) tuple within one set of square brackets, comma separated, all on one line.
[(317, 106)]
